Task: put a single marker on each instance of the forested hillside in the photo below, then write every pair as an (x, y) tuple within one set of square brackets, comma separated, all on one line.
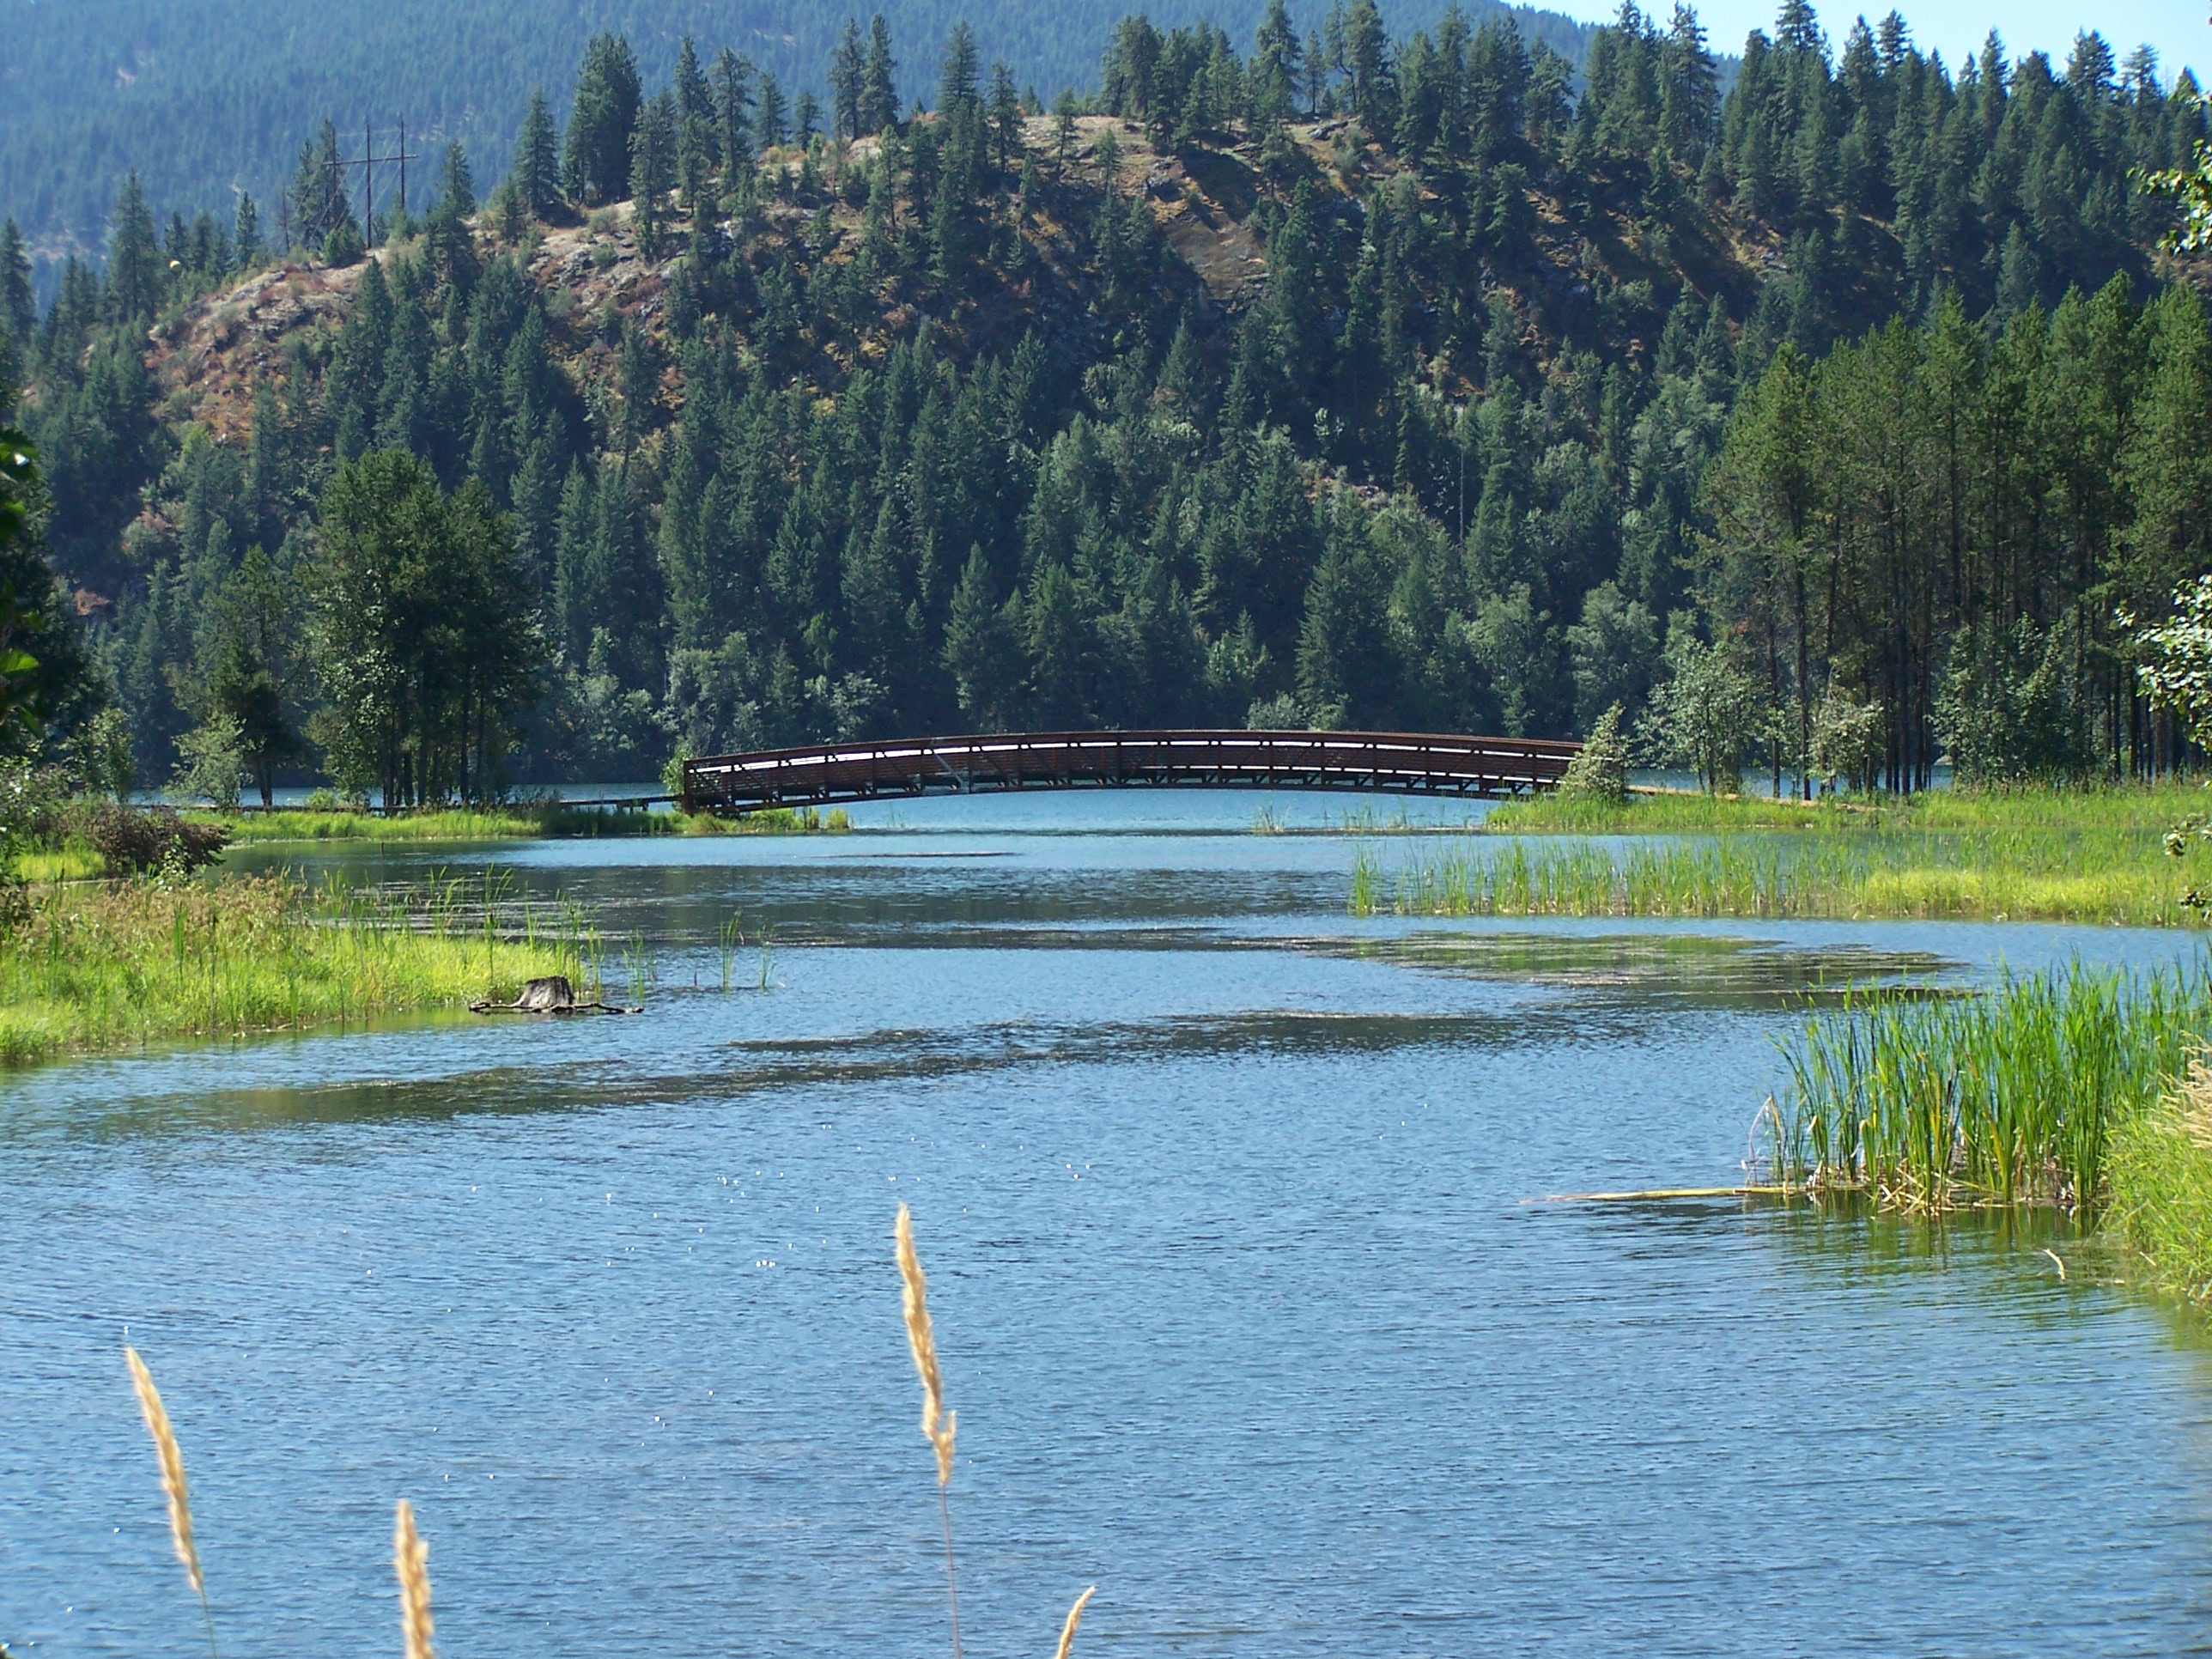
[(207, 99), (1842, 416)]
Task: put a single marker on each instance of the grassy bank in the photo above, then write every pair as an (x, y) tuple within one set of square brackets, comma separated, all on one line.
[(2053, 855), (95, 966), (522, 823), (2083, 1089), (72, 860)]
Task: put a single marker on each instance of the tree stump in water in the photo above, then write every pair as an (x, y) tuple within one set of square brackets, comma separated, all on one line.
[(552, 995)]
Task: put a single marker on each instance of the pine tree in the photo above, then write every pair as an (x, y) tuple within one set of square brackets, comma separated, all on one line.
[(769, 112), (1006, 111), (135, 277), (956, 85), (653, 172), (1275, 67), (734, 99), (845, 83), (595, 164), (318, 206), (19, 310), (538, 158), (879, 81), (246, 247), (695, 100)]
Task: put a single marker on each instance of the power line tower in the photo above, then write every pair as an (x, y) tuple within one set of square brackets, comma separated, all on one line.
[(366, 161)]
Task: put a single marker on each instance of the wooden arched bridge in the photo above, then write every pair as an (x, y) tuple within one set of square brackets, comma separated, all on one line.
[(1401, 763)]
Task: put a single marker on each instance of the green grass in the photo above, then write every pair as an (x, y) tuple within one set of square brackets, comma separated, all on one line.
[(510, 823), (2010, 1097), (102, 966), (2054, 855), (73, 860), (2161, 1189), (289, 824), (2147, 809)]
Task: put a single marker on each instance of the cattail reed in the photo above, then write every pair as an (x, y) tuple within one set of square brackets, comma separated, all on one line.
[(411, 1559), (937, 1423), (2005, 1098), (173, 1488), (1074, 1618)]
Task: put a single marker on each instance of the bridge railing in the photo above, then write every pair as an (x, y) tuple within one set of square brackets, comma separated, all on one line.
[(1400, 762)]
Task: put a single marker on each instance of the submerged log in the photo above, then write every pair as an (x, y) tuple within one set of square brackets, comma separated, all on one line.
[(552, 994)]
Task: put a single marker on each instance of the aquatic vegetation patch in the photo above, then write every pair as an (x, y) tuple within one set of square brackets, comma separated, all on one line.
[(99, 966), (1704, 970), (2120, 878), (2017, 1095), (519, 823), (2150, 808)]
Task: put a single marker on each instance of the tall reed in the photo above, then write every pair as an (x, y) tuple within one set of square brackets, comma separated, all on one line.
[(938, 1424), (1074, 1618), (1930, 1103), (410, 1561), (171, 1457)]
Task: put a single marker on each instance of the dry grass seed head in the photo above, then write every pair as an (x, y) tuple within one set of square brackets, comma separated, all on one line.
[(1074, 1618), (936, 1422), (172, 1469), (411, 1559)]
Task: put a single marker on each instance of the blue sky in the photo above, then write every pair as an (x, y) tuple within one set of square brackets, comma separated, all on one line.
[(2177, 28)]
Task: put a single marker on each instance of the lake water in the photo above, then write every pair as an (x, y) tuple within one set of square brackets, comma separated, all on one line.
[(1246, 1318)]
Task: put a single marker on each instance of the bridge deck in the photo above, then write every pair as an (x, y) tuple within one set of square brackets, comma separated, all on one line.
[(1402, 761)]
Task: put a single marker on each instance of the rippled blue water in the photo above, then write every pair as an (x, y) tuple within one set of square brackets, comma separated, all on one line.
[(1240, 1304)]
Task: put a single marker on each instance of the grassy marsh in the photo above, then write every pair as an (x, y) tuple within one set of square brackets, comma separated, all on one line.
[(103, 966), (519, 823), (2050, 855)]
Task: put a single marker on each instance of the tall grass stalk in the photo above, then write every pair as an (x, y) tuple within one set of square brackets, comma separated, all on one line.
[(938, 1424), (174, 1490), (2009, 1097), (637, 960), (411, 1562), (1074, 1618), (728, 939)]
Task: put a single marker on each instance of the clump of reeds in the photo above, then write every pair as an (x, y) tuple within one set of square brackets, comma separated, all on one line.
[(171, 1457), (938, 1424), (410, 1561), (2011, 1097)]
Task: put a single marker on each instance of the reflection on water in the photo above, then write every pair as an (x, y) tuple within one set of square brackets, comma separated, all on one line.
[(1243, 1309)]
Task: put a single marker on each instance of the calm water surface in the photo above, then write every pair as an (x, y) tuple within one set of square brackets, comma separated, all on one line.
[(1240, 1304)]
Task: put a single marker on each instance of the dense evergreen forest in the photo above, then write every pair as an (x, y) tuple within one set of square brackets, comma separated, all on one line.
[(1845, 422), (209, 99)]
